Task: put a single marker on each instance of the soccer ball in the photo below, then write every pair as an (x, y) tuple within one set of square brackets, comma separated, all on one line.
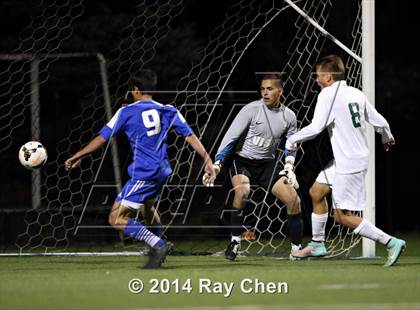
[(32, 155)]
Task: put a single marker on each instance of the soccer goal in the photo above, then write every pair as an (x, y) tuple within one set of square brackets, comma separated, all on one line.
[(68, 211)]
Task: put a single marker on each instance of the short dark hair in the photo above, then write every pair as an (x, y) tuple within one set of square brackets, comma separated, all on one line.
[(334, 65), (145, 80), (272, 76)]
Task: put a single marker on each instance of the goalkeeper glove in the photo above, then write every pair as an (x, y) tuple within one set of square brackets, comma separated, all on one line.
[(206, 177), (288, 172)]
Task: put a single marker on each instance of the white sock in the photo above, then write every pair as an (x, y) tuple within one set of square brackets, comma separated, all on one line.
[(368, 230), (236, 238), (296, 247), (318, 226)]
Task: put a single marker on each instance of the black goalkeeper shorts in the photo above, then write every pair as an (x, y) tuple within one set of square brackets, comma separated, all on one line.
[(262, 172)]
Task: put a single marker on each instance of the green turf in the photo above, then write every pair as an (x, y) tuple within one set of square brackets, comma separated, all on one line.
[(101, 282)]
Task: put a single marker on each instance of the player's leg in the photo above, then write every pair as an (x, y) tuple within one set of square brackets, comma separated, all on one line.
[(272, 181), (348, 196), (319, 216), (288, 195), (318, 192), (157, 256), (316, 247), (151, 217), (347, 218), (119, 218), (366, 229), (133, 196), (241, 188)]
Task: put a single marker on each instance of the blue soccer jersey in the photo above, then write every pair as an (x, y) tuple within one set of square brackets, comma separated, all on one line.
[(146, 124)]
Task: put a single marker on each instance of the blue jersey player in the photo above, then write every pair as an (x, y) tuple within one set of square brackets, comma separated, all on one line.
[(145, 123)]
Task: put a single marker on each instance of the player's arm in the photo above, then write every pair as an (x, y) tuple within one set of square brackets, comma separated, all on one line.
[(209, 168), (374, 118), (93, 145), (290, 156), (238, 126), (182, 128), (321, 119), (108, 131)]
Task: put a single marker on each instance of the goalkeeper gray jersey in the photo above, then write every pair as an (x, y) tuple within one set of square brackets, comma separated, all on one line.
[(263, 127)]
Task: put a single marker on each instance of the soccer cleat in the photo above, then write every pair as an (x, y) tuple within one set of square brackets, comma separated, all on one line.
[(144, 251), (394, 247), (297, 248), (170, 246), (232, 250), (157, 256), (313, 249), (147, 248)]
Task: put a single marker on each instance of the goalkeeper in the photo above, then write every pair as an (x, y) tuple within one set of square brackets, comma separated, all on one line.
[(260, 125)]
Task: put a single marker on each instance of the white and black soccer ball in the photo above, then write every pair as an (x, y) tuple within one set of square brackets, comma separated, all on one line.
[(32, 155)]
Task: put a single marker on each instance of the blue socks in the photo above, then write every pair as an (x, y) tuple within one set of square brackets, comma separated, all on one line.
[(138, 231), (156, 229)]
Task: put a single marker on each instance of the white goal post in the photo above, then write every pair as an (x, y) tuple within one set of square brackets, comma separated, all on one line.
[(368, 82)]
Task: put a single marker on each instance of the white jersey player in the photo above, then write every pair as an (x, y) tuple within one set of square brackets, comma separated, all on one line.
[(345, 112)]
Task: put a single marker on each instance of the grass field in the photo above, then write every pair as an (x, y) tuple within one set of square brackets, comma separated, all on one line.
[(102, 283)]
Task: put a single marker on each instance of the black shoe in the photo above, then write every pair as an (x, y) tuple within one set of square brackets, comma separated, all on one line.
[(170, 250), (232, 250), (158, 256), (145, 251)]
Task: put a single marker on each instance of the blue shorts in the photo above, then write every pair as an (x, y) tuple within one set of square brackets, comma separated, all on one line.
[(136, 192)]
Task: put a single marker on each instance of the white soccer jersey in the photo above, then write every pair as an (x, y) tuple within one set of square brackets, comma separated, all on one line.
[(345, 110)]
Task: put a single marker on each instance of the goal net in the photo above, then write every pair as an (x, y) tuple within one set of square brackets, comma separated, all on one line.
[(252, 36)]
